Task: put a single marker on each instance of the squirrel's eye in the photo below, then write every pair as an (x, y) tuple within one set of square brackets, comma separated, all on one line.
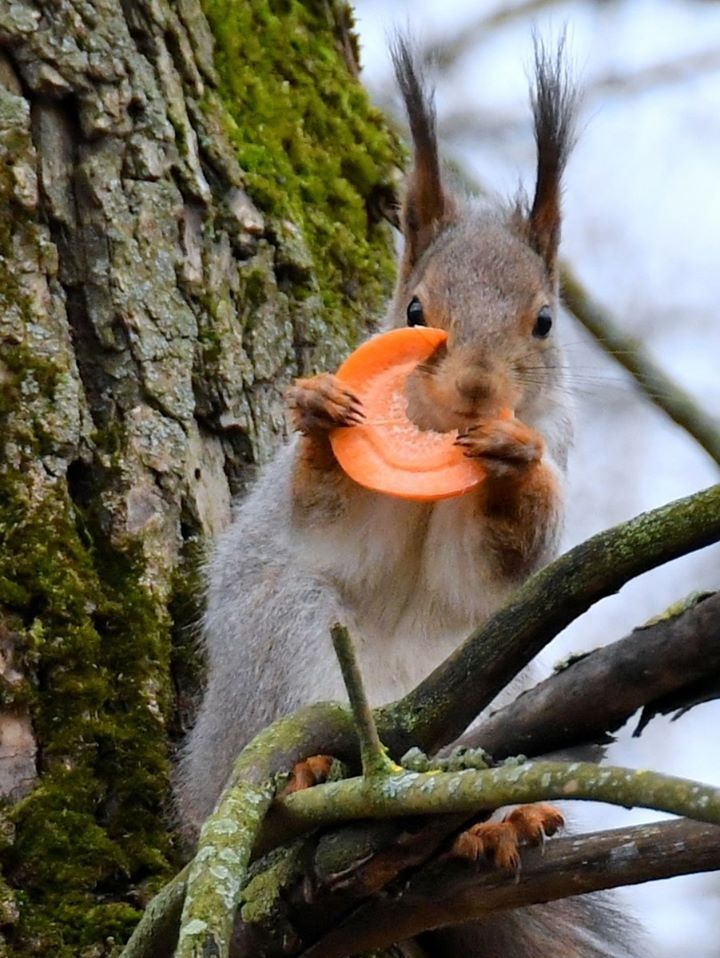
[(543, 323), (415, 315)]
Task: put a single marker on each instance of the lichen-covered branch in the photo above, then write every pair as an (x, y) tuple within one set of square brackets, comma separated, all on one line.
[(219, 869), (225, 848), (655, 383), (287, 737), (229, 835), (584, 574), (448, 892), (470, 791), (209, 886), (670, 652), (442, 706), (156, 933)]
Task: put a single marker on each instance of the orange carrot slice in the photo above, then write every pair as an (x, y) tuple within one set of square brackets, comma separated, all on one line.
[(388, 452)]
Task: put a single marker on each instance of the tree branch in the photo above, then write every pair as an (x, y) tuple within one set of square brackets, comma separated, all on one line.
[(448, 892), (156, 933), (219, 868), (442, 706), (209, 885), (659, 388), (471, 791), (672, 652), (572, 707)]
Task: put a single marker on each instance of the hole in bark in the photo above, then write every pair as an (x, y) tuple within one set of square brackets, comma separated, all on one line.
[(136, 108), (383, 204), (290, 275), (79, 478), (186, 531)]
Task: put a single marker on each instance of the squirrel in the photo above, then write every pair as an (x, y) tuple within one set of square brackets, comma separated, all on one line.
[(309, 546)]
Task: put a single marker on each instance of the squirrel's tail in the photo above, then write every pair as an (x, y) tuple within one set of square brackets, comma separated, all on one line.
[(585, 927)]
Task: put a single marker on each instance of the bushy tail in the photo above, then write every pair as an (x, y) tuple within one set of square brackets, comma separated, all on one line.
[(590, 926)]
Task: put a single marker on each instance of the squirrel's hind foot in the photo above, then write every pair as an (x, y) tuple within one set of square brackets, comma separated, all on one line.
[(500, 841), (311, 771)]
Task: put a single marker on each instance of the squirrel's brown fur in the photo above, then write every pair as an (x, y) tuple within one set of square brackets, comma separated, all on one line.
[(308, 546)]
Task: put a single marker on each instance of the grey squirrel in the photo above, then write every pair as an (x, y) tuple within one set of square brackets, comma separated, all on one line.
[(309, 546)]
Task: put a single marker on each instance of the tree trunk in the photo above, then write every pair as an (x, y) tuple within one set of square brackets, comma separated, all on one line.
[(189, 218)]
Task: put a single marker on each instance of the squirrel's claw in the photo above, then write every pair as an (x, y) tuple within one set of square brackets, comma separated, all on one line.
[(500, 841), (321, 403), (505, 447)]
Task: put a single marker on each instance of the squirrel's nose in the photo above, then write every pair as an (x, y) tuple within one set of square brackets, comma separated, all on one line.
[(475, 384)]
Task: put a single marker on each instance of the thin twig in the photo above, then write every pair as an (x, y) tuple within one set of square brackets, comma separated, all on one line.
[(445, 54), (373, 753)]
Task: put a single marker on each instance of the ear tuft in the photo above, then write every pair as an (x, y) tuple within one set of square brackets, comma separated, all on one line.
[(426, 208), (554, 104)]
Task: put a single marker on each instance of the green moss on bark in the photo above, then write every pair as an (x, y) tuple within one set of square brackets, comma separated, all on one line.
[(91, 843), (97, 650), (313, 149), (94, 645)]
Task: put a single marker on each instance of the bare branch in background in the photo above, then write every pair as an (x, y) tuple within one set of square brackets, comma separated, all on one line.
[(469, 123), (678, 70), (444, 54), (659, 388)]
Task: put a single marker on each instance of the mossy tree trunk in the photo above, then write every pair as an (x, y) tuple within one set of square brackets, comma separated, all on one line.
[(187, 220)]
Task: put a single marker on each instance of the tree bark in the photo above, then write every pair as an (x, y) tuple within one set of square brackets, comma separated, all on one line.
[(188, 197)]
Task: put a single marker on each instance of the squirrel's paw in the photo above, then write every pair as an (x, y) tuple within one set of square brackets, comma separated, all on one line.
[(311, 771), (506, 447), (500, 841), (321, 403)]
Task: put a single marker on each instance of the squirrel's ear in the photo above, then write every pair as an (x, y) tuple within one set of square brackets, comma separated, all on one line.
[(427, 208), (554, 102)]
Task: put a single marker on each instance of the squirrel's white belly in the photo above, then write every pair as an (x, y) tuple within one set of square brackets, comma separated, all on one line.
[(415, 581)]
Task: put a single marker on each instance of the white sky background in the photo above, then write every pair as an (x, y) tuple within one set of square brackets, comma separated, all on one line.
[(642, 230)]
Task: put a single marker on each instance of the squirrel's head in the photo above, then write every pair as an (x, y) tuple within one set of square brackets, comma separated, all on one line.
[(488, 277)]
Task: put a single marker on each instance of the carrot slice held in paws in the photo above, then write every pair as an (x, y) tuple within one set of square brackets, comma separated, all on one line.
[(388, 452)]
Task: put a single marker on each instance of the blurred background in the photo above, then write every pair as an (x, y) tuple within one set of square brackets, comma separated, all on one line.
[(642, 233)]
